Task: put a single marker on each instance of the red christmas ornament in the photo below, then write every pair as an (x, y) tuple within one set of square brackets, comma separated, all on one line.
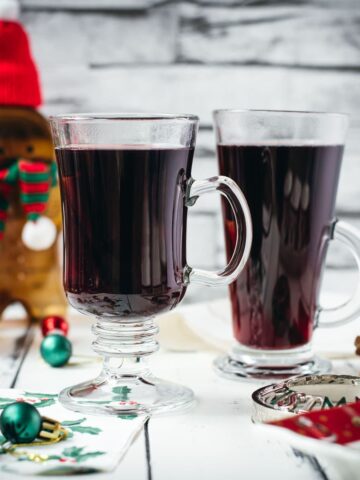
[(53, 322)]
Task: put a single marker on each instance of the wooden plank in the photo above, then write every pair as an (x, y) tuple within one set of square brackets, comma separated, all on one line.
[(150, 38), (65, 87), (141, 4), (259, 3), (275, 3), (200, 89), (288, 35), (216, 439), (291, 35), (88, 4), (35, 376), (49, 44), (125, 38), (16, 335)]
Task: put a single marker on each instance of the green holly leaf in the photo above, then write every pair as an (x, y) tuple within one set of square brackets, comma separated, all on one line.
[(46, 399), (78, 455), (45, 403), (4, 401), (89, 430), (86, 456), (121, 393), (131, 416), (49, 399), (54, 457), (74, 425), (70, 423), (72, 452), (40, 395)]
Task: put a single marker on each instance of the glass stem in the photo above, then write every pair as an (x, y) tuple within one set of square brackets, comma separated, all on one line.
[(115, 368), (131, 339)]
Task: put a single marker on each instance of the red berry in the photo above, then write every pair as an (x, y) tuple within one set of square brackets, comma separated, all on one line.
[(53, 322)]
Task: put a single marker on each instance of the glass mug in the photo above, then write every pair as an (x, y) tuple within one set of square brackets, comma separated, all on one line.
[(287, 164), (126, 187)]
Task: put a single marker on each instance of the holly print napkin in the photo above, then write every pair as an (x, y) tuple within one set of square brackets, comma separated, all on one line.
[(94, 443), (339, 425)]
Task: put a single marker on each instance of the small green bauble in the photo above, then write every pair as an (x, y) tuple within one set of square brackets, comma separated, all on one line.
[(20, 422), (55, 350)]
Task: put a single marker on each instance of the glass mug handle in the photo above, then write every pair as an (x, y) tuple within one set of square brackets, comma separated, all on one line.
[(350, 310), (230, 190)]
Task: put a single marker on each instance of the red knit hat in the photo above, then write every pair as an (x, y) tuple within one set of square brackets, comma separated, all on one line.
[(19, 81)]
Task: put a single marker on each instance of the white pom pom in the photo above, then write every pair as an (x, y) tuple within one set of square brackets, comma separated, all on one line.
[(9, 9), (39, 235)]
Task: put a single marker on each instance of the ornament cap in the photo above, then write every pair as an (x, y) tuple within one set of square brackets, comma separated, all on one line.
[(52, 431), (54, 324)]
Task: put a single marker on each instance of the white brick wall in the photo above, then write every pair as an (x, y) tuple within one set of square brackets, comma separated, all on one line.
[(150, 55), (289, 33)]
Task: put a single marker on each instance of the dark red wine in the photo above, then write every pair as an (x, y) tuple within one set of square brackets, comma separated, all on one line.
[(291, 193), (124, 228)]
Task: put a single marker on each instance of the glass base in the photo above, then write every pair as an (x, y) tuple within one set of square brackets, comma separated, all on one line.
[(126, 386), (253, 364), (130, 395)]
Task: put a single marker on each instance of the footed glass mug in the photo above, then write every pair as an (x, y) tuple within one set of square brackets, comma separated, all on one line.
[(287, 165), (126, 186)]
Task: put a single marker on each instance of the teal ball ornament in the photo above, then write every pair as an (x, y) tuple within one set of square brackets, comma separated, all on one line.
[(20, 422), (56, 349)]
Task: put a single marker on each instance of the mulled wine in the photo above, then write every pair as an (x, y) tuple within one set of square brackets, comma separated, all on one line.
[(291, 193), (124, 227)]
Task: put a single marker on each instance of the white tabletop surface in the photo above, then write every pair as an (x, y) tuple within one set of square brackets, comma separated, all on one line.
[(215, 439)]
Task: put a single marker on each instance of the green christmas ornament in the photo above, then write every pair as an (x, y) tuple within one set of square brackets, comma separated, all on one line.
[(56, 350), (20, 422)]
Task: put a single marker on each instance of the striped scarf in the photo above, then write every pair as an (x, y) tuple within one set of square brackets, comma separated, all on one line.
[(35, 178)]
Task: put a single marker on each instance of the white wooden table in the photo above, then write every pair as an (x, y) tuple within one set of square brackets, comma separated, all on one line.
[(215, 440)]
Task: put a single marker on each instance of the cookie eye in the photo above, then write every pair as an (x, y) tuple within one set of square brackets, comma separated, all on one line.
[(2, 151), (30, 149)]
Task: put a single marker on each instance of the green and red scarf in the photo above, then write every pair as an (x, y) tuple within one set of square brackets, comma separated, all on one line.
[(35, 179)]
